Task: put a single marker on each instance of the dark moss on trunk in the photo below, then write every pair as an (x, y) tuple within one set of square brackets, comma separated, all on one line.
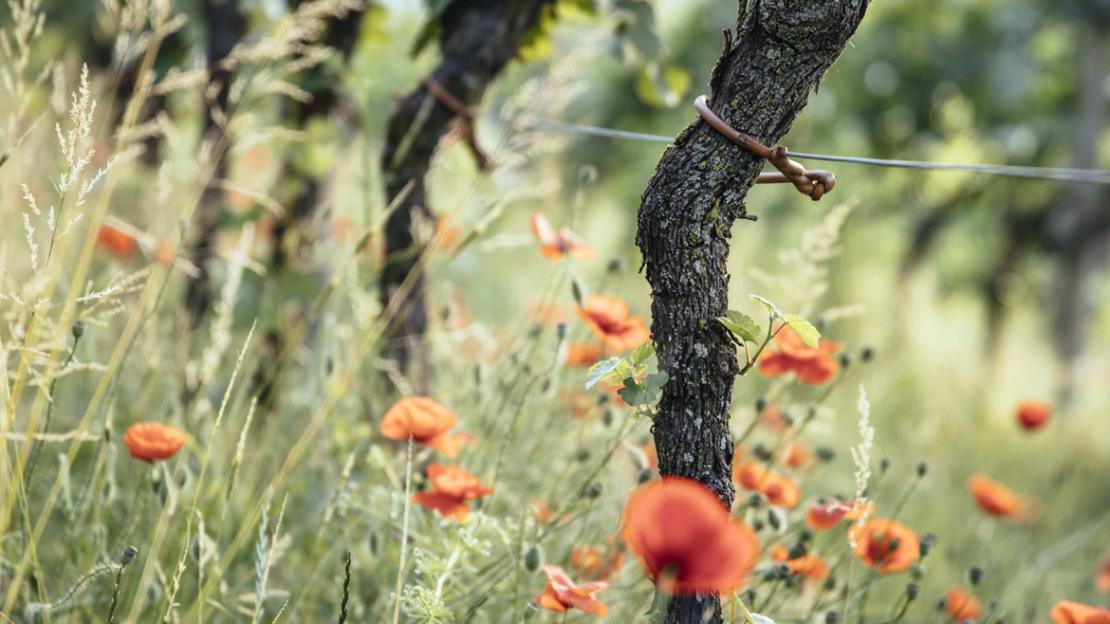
[(761, 82)]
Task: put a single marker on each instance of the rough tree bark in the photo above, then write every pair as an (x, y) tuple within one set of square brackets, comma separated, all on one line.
[(225, 25), (477, 39), (781, 50)]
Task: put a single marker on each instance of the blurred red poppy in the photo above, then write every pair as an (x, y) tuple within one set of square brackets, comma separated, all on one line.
[(609, 319), (561, 593), (153, 441), (826, 515), (887, 545), (593, 562), (1032, 415), (452, 488), (809, 567), (998, 500), (583, 353), (686, 539), (116, 242), (779, 489), (556, 244), (811, 366), (1068, 612), (426, 422), (961, 606)]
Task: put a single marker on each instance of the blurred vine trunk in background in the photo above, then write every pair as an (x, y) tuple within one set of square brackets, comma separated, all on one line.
[(225, 25), (1078, 225), (477, 39), (761, 82), (293, 233)]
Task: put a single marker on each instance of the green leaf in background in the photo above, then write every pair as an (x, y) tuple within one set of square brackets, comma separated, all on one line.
[(771, 308), (641, 353), (601, 370), (805, 330), (662, 87), (740, 324), (644, 392)]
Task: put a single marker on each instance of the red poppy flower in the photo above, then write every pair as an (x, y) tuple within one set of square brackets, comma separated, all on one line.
[(997, 500), (779, 489), (609, 319), (426, 422), (811, 366), (561, 593), (887, 545), (452, 487), (797, 455), (961, 606), (686, 539), (1032, 415), (116, 242), (824, 516), (152, 441), (807, 566), (771, 418), (583, 353), (556, 244), (1068, 612), (594, 563)]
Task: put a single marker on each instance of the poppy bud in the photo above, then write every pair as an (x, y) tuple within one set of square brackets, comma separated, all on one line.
[(545, 386), (884, 464), (975, 575), (760, 404), (912, 591), (757, 524), (825, 454), (645, 476), (576, 290), (594, 490), (77, 330), (755, 500), (866, 354), (927, 544), (832, 617), (616, 265), (581, 455), (561, 331), (607, 417), (798, 550), (373, 543), (917, 572), (830, 583), (845, 360), (922, 469), (128, 555), (533, 558), (762, 452), (805, 535)]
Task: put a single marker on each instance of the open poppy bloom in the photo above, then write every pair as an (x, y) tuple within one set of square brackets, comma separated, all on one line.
[(561, 593), (807, 566), (811, 366), (426, 422), (887, 545), (592, 562), (452, 486), (797, 455), (961, 606), (686, 539), (153, 441), (116, 242), (1102, 582), (1068, 612), (826, 515), (1032, 415), (997, 500), (556, 244), (609, 319), (583, 353), (779, 489)]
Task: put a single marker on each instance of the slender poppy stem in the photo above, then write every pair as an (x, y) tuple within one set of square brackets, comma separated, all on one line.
[(404, 536)]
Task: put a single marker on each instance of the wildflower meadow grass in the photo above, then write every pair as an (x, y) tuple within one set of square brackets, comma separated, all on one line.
[(269, 460)]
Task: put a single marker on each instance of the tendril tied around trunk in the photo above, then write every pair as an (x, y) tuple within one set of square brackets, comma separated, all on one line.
[(814, 183)]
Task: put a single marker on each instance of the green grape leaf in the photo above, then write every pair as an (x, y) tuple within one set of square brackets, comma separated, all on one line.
[(740, 324), (771, 308), (805, 330)]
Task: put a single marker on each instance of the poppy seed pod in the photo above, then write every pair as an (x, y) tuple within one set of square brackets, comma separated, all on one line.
[(129, 553), (866, 354), (77, 330), (533, 558), (832, 617), (975, 575)]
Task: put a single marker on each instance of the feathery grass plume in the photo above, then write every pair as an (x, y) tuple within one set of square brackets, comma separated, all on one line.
[(861, 457), (264, 557), (16, 46), (240, 447), (34, 609), (175, 584)]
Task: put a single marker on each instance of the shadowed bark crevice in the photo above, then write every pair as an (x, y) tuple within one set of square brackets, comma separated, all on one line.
[(762, 81), (477, 40)]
